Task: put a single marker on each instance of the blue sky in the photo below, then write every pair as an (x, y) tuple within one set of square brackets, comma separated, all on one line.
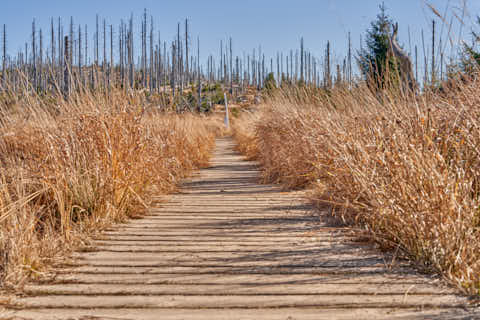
[(276, 25)]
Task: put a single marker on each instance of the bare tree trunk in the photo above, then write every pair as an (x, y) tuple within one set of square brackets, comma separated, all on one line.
[(96, 42), (52, 39), (86, 56), (70, 51), (66, 85), (80, 73), (349, 60), (179, 59), (433, 77), (222, 76), (441, 66), (4, 54), (290, 74), (198, 76), (34, 57), (231, 67), (165, 67), (40, 62), (425, 76), (328, 74), (248, 71), (121, 53), (302, 79), (416, 63), (296, 65), (60, 53), (104, 63), (130, 53), (151, 56), (111, 76), (187, 67), (174, 67), (263, 70), (157, 68), (144, 49)]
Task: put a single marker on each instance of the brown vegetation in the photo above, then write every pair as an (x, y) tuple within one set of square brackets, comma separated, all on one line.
[(72, 168), (404, 169)]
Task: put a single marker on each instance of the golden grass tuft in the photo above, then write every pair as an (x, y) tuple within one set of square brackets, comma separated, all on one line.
[(243, 131), (405, 169), (69, 169)]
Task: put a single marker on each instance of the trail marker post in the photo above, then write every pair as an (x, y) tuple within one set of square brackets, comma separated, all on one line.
[(227, 122)]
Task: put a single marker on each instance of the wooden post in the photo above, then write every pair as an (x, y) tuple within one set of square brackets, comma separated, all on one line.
[(226, 120)]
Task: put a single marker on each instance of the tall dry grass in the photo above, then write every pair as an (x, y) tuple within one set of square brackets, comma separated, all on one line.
[(72, 168), (407, 170), (243, 131)]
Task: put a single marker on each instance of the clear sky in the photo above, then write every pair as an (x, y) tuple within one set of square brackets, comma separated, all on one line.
[(276, 25)]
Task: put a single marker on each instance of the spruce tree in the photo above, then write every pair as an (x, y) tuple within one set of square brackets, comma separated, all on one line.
[(376, 64), (470, 60)]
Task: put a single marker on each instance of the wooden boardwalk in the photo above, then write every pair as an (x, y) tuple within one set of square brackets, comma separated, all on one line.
[(227, 247)]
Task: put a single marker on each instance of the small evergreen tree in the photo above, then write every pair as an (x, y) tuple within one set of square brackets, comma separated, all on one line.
[(470, 56), (377, 66), (270, 82)]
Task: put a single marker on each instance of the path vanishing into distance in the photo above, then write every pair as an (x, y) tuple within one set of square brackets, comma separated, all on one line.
[(227, 247)]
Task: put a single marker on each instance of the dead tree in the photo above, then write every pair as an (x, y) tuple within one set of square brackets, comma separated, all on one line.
[(40, 62), (80, 74), (66, 87), (403, 61), (111, 73), (198, 75), (433, 77), (4, 55), (187, 69), (328, 72), (301, 60), (52, 39), (34, 57)]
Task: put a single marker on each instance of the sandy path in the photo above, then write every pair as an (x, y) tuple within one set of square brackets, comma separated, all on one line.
[(227, 247)]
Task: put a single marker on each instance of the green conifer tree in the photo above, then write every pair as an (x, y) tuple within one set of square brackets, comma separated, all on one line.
[(470, 54), (377, 66)]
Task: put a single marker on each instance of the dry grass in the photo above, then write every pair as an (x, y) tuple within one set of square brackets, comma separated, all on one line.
[(243, 131), (72, 168), (407, 170)]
